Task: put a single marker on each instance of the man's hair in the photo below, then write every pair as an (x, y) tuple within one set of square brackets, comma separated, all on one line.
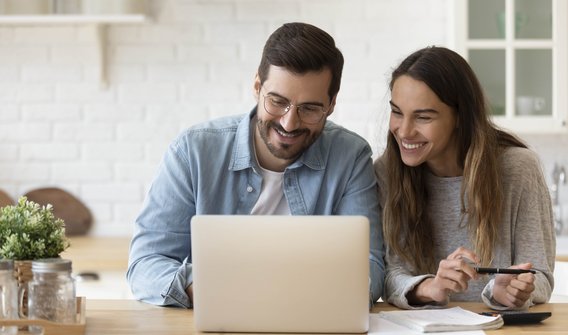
[(300, 48)]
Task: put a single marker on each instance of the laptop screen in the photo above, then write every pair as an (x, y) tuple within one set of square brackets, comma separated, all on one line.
[(280, 273)]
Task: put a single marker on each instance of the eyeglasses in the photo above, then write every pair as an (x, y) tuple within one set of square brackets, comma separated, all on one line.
[(279, 106)]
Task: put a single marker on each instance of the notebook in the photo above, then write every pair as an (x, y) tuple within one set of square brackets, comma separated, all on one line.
[(443, 320), (280, 274)]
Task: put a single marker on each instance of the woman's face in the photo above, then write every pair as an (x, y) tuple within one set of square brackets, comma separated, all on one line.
[(424, 127)]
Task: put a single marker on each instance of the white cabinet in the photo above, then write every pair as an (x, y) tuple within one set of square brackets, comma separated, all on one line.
[(519, 50)]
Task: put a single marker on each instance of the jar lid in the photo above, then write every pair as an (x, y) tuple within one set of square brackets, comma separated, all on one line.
[(6, 264), (51, 265)]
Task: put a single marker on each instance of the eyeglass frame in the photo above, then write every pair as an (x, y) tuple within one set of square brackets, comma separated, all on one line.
[(289, 107)]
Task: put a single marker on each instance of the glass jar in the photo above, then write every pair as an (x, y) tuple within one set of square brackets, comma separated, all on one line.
[(51, 292), (8, 296)]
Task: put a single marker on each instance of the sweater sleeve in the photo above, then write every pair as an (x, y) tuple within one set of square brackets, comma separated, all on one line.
[(532, 233), (399, 282)]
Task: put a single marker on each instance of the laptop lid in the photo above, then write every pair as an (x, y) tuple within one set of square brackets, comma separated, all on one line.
[(283, 274)]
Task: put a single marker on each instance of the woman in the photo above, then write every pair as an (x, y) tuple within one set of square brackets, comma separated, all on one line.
[(457, 192)]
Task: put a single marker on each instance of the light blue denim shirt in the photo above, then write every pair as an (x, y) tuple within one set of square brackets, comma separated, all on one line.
[(211, 169)]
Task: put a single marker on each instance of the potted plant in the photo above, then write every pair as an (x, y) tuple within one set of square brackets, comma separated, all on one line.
[(29, 231)]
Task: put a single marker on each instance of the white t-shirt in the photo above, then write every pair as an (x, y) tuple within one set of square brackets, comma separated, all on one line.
[(271, 200)]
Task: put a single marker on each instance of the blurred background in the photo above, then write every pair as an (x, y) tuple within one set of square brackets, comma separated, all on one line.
[(91, 106), (92, 91)]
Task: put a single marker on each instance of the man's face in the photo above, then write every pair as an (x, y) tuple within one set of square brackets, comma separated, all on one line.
[(281, 139)]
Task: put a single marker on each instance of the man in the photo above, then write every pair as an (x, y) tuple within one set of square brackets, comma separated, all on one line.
[(282, 158)]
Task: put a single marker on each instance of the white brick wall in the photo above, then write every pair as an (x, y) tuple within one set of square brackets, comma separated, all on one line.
[(194, 61)]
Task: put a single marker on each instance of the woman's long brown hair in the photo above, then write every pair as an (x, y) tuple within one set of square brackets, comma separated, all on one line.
[(407, 227)]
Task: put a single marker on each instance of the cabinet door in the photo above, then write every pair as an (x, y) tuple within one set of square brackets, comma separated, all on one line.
[(518, 49)]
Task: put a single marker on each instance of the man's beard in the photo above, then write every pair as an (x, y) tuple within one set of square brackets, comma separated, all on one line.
[(283, 150)]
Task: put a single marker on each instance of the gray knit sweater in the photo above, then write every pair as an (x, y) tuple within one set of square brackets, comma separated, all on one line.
[(526, 231)]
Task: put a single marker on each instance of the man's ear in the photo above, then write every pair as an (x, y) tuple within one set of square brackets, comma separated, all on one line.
[(256, 87), (332, 105)]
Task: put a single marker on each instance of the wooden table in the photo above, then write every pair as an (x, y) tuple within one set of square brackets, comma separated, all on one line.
[(122, 317)]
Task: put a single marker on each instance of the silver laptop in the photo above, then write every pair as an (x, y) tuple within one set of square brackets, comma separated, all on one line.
[(280, 274)]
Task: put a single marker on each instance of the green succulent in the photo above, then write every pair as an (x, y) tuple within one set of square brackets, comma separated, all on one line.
[(29, 231)]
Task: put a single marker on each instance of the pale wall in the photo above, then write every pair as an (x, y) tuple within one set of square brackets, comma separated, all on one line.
[(195, 61)]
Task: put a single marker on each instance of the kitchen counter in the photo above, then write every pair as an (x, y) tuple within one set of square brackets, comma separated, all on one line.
[(107, 257), (562, 248), (99, 266), (111, 253), (98, 253)]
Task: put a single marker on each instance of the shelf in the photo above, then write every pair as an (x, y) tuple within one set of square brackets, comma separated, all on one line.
[(71, 19), (98, 23)]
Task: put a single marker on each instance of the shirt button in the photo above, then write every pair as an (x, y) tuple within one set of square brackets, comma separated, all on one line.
[(250, 189)]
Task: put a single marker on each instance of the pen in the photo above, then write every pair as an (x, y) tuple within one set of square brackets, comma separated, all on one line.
[(500, 270)]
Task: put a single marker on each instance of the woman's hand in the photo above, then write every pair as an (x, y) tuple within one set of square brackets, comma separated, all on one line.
[(452, 276), (514, 290)]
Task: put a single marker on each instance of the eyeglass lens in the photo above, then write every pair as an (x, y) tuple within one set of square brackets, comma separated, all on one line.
[(308, 113)]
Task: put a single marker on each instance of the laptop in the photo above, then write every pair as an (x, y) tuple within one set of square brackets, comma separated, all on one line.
[(280, 274)]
